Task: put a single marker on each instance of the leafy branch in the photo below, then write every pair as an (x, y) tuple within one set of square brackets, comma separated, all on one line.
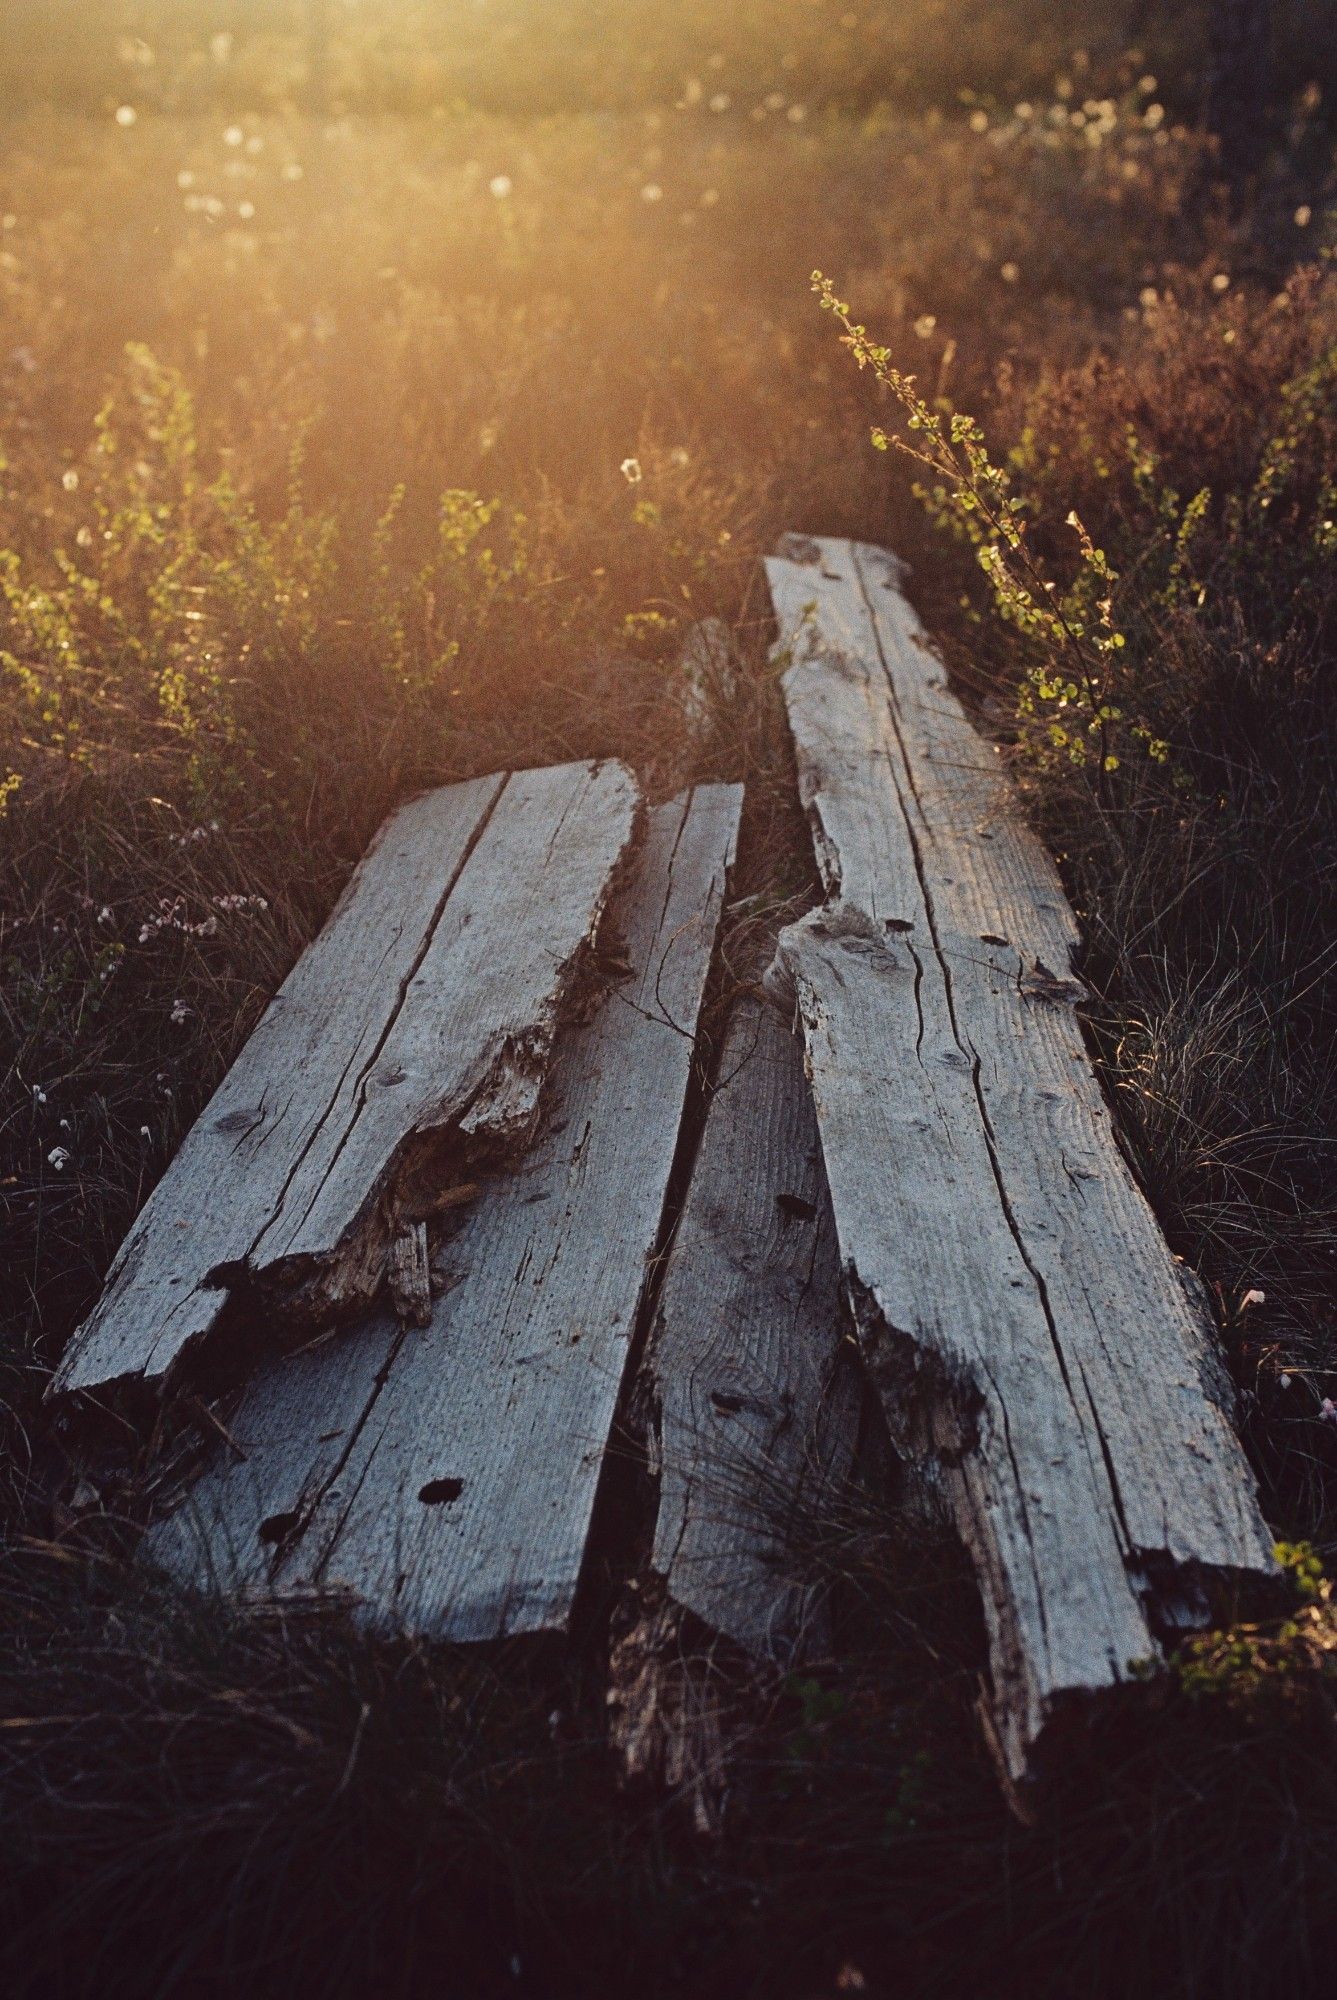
[(1069, 689)]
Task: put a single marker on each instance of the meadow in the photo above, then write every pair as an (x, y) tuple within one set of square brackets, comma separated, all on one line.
[(372, 427)]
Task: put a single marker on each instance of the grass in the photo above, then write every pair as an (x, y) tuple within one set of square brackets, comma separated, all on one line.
[(350, 453)]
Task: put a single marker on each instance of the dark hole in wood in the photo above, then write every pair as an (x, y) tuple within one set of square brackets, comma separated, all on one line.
[(439, 1492), (991, 937), (897, 924), (728, 1405), (276, 1526), (794, 1204)]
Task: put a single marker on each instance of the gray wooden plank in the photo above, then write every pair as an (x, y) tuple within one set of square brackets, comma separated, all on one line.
[(753, 1404), (1019, 1306), (469, 1045), (500, 1410), (158, 1297), (430, 1000), (295, 1430)]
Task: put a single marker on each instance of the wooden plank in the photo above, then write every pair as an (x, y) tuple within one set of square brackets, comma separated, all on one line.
[(753, 1404), (455, 1500), (430, 1000), (1019, 1308), (158, 1298)]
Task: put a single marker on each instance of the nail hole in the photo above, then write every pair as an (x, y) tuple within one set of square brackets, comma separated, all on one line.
[(794, 1204), (897, 924), (728, 1406), (439, 1492), (277, 1526)]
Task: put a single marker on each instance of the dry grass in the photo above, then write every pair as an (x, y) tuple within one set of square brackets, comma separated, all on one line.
[(352, 520)]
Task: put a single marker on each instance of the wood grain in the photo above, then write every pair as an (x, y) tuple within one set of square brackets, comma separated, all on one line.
[(754, 1404), (1020, 1310), (429, 1000)]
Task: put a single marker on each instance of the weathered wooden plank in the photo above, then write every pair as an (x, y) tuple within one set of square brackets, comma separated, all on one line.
[(158, 1297), (469, 1046), (455, 1500), (753, 1407), (1019, 1307), (430, 1000)]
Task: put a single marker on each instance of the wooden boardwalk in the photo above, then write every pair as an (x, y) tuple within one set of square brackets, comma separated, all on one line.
[(474, 1194)]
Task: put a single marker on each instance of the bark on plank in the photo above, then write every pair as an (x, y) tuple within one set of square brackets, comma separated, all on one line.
[(455, 1500), (430, 999), (1019, 1307), (753, 1407)]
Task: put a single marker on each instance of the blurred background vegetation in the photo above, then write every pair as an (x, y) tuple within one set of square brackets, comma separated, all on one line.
[(539, 56), (384, 388)]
